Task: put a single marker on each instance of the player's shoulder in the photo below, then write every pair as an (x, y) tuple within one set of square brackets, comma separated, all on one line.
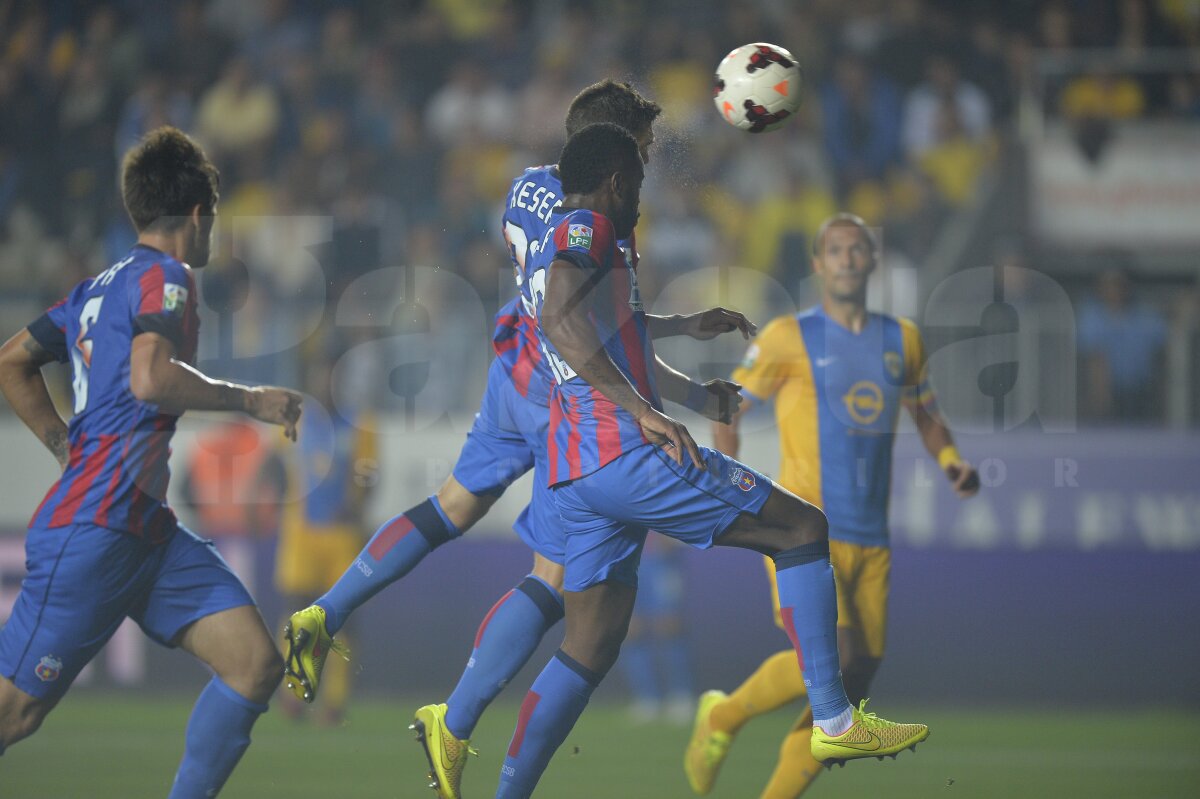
[(781, 333), (544, 175), (908, 327)]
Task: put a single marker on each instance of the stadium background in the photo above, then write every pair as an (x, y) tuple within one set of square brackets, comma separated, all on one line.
[(1030, 167)]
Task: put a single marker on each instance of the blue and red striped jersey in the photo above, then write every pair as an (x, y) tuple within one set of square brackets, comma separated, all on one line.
[(588, 430), (528, 211), (117, 475)]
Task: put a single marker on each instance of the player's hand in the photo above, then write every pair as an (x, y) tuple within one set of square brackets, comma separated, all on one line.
[(665, 432), (274, 405), (964, 478), (709, 324), (724, 400)]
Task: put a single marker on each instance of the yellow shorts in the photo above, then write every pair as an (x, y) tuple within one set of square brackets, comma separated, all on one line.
[(862, 575), (310, 560)]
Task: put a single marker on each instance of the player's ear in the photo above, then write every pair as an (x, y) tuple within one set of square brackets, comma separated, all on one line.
[(194, 216)]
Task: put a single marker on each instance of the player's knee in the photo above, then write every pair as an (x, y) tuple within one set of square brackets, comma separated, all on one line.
[(808, 525), (19, 721), (260, 675)]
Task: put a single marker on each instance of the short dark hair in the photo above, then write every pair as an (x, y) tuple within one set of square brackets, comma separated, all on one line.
[(611, 101), (844, 219), (594, 154), (165, 176)]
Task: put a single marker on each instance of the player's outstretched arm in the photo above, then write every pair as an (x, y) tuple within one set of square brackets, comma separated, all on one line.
[(564, 318), (155, 376), (702, 325), (727, 435), (940, 444), (717, 400), (21, 381)]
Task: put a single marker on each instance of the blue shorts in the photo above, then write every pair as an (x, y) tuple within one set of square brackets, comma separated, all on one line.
[(607, 513), (83, 581), (508, 439)]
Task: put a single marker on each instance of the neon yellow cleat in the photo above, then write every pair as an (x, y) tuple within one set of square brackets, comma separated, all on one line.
[(868, 736), (446, 754), (707, 749), (306, 646)]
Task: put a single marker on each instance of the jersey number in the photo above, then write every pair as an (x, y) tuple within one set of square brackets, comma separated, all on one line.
[(81, 353), (537, 289)]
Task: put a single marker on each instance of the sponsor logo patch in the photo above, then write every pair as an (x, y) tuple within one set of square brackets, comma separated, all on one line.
[(174, 297), (742, 478), (893, 363), (750, 357), (48, 668), (579, 236)]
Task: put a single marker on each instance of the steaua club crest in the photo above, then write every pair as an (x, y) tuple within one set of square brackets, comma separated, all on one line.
[(742, 478), (48, 668)]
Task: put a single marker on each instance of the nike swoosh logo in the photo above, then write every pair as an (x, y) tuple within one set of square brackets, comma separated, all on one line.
[(859, 746), (823, 362), (447, 765)]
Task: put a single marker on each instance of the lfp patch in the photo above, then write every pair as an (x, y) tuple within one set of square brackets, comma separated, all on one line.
[(742, 478), (579, 236), (48, 668), (174, 297)]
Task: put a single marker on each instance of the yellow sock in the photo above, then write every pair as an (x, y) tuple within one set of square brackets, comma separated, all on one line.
[(776, 682), (797, 768), (335, 683)]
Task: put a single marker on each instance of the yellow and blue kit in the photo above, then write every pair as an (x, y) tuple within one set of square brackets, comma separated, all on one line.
[(837, 398), (321, 534)]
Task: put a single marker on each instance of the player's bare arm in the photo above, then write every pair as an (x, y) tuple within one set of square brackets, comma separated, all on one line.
[(940, 444), (156, 376), (564, 317), (717, 400), (702, 325), (21, 381)]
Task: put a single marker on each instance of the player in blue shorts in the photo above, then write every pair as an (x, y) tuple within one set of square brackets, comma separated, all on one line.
[(507, 439), (619, 467), (103, 545)]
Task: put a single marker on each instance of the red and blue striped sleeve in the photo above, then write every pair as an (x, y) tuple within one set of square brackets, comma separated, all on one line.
[(159, 298), (585, 239), (50, 331)]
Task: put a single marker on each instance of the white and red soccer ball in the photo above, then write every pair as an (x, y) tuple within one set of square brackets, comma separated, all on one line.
[(758, 87)]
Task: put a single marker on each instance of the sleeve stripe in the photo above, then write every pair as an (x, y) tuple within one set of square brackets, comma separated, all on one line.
[(151, 285)]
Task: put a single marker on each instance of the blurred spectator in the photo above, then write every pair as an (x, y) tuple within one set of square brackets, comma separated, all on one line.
[(154, 103), (1103, 95), (1121, 341), (956, 160), (861, 112), (238, 116), (470, 105), (943, 94)]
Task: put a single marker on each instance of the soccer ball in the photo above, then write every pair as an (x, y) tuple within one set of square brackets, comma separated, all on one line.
[(757, 87)]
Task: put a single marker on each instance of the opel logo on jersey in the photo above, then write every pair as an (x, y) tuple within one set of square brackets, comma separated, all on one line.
[(864, 402)]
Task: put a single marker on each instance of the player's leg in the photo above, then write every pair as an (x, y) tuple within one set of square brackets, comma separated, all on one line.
[(506, 639), (198, 604), (504, 642), (20, 713), (600, 580), (862, 608), (796, 768), (597, 620), (247, 669)]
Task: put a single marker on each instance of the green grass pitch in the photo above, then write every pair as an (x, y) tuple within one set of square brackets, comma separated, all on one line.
[(102, 746)]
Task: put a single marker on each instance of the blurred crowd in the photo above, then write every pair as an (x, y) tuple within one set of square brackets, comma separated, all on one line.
[(355, 137)]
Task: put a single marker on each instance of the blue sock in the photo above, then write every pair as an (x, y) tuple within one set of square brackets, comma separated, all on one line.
[(390, 554), (551, 708), (217, 734), (678, 664), (808, 603), (637, 664), (507, 638)]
